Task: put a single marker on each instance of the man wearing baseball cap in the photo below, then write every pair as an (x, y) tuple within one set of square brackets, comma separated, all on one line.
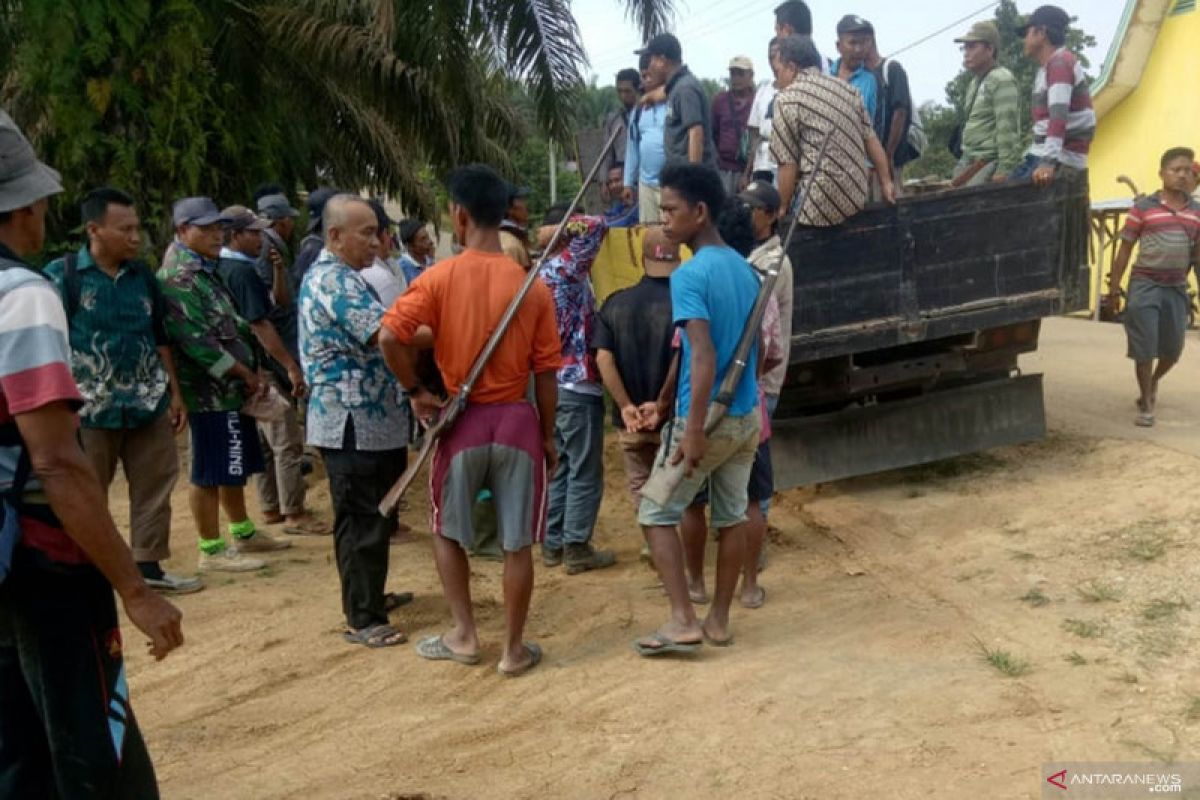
[(218, 362), (730, 115), (67, 728), (1063, 119), (854, 35), (990, 137), (688, 127)]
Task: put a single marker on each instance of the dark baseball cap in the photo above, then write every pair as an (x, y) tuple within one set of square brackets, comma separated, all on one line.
[(23, 179), (316, 205), (240, 218), (196, 211), (1046, 17), (852, 23), (761, 194), (517, 192), (664, 45), (276, 206)]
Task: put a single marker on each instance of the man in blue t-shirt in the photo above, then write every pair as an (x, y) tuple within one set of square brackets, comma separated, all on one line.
[(712, 296)]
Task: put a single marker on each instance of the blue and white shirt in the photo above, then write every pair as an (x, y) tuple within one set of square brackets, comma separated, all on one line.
[(346, 374)]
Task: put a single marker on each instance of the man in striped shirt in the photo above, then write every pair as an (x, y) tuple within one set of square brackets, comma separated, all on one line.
[(1063, 120), (1166, 228), (67, 728)]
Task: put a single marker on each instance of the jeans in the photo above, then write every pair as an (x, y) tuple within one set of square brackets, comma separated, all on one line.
[(1025, 168), (358, 480), (67, 729), (764, 505), (578, 483)]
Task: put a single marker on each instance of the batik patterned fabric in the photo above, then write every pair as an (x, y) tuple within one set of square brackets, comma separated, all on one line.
[(805, 112), (116, 331), (345, 371), (567, 274)]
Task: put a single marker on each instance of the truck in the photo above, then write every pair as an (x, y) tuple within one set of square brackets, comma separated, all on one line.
[(909, 322)]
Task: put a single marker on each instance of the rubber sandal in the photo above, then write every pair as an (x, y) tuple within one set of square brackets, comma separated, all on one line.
[(394, 600), (762, 599), (434, 648), (375, 636), (309, 527), (717, 642), (1144, 420), (665, 645), (535, 658)]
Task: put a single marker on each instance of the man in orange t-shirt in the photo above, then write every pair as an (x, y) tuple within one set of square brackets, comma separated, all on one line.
[(500, 442)]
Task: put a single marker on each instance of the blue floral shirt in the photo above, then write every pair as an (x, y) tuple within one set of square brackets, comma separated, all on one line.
[(346, 374)]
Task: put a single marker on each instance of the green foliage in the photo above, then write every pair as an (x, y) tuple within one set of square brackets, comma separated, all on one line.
[(936, 162)]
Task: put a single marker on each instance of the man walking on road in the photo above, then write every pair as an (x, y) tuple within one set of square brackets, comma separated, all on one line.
[(121, 360), (67, 728), (1166, 228)]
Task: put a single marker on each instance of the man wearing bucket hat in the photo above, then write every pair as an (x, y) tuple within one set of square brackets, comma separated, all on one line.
[(1064, 121), (67, 728), (990, 135), (217, 359)]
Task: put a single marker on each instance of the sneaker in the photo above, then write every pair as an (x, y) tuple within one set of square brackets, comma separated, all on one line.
[(259, 542), (551, 558), (175, 584), (228, 560), (584, 557)]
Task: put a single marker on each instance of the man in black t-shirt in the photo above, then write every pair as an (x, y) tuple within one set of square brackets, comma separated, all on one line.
[(632, 338), (894, 115)]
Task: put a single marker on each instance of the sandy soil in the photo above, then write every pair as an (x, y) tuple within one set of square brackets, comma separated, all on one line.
[(863, 676)]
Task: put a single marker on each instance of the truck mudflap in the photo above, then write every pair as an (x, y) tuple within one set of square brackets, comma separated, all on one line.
[(940, 424)]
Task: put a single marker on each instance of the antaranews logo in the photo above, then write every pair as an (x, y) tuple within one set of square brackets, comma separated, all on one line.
[(1115, 780), (1058, 779)]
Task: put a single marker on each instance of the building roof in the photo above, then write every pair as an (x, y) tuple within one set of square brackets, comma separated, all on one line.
[(1129, 52)]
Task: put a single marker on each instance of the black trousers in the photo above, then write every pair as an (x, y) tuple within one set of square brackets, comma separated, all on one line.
[(358, 480), (66, 726)]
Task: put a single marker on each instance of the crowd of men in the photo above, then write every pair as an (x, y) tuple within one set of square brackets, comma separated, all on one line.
[(353, 339)]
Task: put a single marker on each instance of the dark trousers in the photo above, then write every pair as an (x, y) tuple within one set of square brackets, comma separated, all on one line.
[(358, 480), (66, 726)]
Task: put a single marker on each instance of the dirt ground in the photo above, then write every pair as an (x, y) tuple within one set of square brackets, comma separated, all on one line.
[(939, 631)]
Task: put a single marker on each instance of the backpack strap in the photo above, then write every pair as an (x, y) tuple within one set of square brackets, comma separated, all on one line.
[(71, 285)]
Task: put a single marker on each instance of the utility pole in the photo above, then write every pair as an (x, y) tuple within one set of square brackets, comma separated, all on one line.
[(553, 174)]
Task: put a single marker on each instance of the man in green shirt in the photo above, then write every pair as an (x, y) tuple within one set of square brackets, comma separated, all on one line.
[(218, 361), (991, 135), (122, 363)]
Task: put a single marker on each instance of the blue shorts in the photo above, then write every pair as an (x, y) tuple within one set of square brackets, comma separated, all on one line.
[(225, 448)]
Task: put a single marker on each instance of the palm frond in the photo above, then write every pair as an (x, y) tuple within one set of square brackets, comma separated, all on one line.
[(651, 16)]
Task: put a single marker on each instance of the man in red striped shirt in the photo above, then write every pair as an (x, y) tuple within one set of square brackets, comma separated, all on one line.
[(1063, 119), (1166, 227)]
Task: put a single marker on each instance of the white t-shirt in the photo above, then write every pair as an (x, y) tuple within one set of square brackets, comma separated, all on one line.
[(387, 279), (760, 120)]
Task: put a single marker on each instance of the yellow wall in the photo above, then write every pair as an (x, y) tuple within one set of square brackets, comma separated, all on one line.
[(1161, 113)]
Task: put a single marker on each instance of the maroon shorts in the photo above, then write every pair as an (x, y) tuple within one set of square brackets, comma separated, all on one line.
[(499, 448)]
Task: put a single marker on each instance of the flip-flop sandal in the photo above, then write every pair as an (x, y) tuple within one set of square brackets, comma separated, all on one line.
[(375, 636), (762, 599), (535, 658), (394, 600), (664, 645), (434, 648), (698, 599), (718, 642), (309, 527), (1144, 420)]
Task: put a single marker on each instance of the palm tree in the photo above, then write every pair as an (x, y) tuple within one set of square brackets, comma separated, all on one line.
[(172, 97)]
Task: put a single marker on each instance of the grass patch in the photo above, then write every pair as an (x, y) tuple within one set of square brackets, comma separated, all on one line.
[(1035, 597), (1159, 610), (954, 467), (1128, 677), (973, 574), (265, 572), (1083, 628), (1021, 555), (1192, 712), (1075, 659), (1098, 592), (1004, 662)]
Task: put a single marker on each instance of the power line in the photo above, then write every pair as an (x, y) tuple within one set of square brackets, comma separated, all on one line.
[(940, 31)]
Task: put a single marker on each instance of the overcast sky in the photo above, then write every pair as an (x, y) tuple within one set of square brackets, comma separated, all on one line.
[(713, 31)]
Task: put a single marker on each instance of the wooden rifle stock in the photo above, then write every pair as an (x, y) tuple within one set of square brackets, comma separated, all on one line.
[(458, 404)]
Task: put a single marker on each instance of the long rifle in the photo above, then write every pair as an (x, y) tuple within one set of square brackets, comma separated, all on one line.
[(458, 404), (666, 477)]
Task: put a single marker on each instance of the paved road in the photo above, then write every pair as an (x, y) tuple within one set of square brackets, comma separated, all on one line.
[(1090, 386)]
